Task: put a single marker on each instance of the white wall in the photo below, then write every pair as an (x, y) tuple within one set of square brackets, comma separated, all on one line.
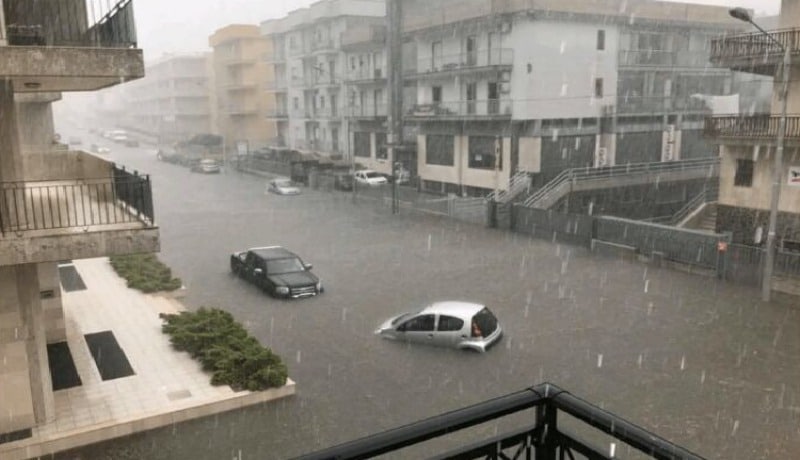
[(565, 62), (460, 173)]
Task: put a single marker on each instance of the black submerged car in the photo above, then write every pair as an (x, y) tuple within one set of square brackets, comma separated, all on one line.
[(277, 271)]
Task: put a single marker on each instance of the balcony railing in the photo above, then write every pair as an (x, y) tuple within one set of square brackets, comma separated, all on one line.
[(755, 45), (274, 57), (240, 109), (323, 45), (366, 75), (367, 111), (660, 58), (471, 60), (542, 438), (50, 205), (483, 109), (630, 105), (756, 127), (92, 23), (322, 80), (278, 113)]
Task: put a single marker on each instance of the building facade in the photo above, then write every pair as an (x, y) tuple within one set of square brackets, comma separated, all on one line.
[(240, 75), (311, 70), (748, 141), (539, 87), (47, 190)]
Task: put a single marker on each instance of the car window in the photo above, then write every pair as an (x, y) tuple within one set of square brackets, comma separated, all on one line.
[(450, 323), (483, 323), (420, 323), (288, 265), (372, 175)]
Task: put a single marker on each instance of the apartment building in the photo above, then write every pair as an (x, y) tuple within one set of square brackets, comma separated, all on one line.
[(172, 103), (538, 87), (748, 141), (56, 204), (310, 70), (240, 73)]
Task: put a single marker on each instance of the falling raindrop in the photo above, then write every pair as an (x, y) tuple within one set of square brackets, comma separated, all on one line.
[(735, 427), (649, 307), (683, 362), (430, 237), (298, 356), (639, 361), (344, 315), (646, 286), (703, 377), (600, 360), (612, 449)]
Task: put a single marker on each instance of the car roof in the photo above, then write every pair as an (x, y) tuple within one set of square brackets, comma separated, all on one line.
[(272, 252), (454, 308)]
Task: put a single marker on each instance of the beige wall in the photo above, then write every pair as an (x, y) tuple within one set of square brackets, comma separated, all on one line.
[(758, 196), (53, 311), (63, 165), (530, 154), (460, 173)]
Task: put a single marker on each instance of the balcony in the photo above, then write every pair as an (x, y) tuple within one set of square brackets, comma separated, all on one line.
[(367, 111), (660, 58), (754, 52), (278, 113), (323, 46), (242, 85), (483, 109), (657, 105), (322, 80), (78, 45), (366, 76), (240, 109), (238, 61), (275, 57), (487, 60), (550, 423), (76, 206), (321, 113), (761, 129)]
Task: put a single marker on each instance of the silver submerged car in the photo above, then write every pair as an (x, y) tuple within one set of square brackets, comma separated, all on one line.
[(462, 325), (283, 186)]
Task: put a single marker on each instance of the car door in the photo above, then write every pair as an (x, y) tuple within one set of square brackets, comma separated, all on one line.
[(448, 331), (419, 329)]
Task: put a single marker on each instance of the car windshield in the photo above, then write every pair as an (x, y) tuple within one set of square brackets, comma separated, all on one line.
[(372, 175), (287, 265)]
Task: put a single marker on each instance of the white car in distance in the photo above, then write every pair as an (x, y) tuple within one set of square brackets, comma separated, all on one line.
[(370, 178)]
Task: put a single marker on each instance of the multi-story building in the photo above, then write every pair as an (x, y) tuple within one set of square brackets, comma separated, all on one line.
[(309, 75), (508, 86), (172, 102), (748, 141), (56, 204), (240, 73)]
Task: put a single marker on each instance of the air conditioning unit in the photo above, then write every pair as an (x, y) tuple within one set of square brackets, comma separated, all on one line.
[(505, 27), (602, 157)]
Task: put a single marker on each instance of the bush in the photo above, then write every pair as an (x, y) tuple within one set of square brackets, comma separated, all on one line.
[(225, 349), (145, 273)]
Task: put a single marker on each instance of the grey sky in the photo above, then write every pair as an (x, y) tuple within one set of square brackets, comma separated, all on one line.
[(184, 25)]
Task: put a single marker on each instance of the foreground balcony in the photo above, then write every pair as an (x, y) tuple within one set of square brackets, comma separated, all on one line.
[(75, 206), (560, 426), (760, 129), (754, 52), (480, 109), (70, 45), (487, 60)]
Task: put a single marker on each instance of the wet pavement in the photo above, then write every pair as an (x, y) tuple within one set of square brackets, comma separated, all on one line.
[(700, 362)]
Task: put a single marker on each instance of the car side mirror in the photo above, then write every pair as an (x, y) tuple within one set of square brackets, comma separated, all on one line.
[(308, 266), (258, 271)]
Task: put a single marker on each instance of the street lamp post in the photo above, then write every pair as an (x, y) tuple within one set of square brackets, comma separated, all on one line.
[(769, 262)]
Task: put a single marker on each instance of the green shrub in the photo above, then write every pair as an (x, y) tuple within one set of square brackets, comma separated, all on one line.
[(225, 349), (145, 273)]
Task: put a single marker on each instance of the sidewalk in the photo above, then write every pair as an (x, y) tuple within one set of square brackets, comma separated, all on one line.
[(167, 386)]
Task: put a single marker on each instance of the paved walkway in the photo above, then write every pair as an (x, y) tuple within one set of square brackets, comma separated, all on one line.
[(167, 387)]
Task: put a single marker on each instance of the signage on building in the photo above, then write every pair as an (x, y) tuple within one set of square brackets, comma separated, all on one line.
[(794, 176)]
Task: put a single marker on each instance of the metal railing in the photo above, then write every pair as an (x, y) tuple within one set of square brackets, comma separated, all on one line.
[(59, 23), (276, 85), (475, 59), (663, 58), (322, 44), (278, 113), (366, 74), (519, 183), (464, 108), (543, 438), (755, 45), (761, 126), (50, 205), (627, 105), (240, 109), (567, 177), (367, 111), (708, 195)]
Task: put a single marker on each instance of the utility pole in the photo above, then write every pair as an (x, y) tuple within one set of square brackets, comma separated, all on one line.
[(394, 56)]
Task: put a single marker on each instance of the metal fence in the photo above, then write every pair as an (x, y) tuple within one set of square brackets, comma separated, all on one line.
[(134, 190), (552, 225), (541, 438)]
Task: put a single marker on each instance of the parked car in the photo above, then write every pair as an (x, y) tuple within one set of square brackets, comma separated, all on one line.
[(283, 186), (462, 325), (369, 177), (277, 271), (207, 166)]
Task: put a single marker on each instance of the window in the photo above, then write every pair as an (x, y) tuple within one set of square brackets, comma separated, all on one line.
[(598, 87), (436, 56), (352, 62), (450, 323), (601, 40), (381, 152), (361, 147), (744, 173), (420, 324), (296, 103), (483, 150), (472, 94), (439, 149), (436, 94)]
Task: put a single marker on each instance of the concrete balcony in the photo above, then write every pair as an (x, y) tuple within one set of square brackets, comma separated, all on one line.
[(366, 77), (367, 112), (276, 86), (240, 109), (275, 57), (757, 129), (243, 85), (323, 46), (754, 52), (656, 105), (476, 62), (278, 113), (464, 109), (53, 46), (75, 206), (661, 58)]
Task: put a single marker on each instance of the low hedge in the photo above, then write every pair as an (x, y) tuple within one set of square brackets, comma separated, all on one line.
[(225, 349), (145, 273)]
